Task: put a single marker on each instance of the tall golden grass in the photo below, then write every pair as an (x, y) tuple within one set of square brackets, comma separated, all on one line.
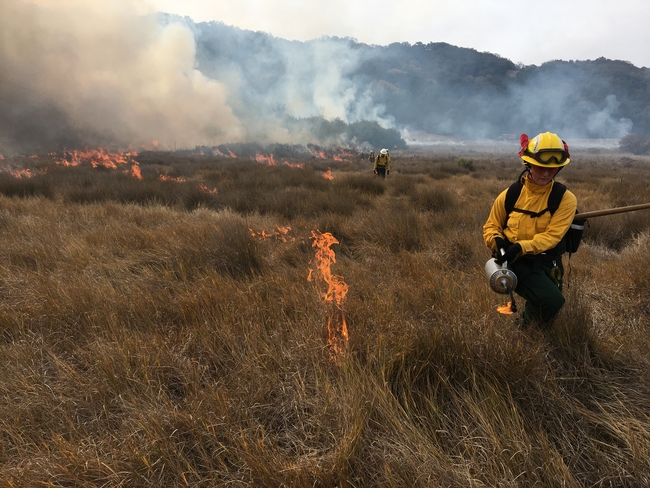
[(149, 335)]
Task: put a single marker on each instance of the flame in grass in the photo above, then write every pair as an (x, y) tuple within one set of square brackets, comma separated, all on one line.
[(22, 173), (19, 173), (328, 174), (270, 161), (264, 159), (171, 178), (135, 171), (205, 189), (153, 147), (505, 309), (231, 154), (294, 165), (337, 289), (202, 187), (97, 158), (2, 157), (102, 158), (280, 233)]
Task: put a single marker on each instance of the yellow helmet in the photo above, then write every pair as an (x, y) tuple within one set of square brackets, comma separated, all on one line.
[(546, 150)]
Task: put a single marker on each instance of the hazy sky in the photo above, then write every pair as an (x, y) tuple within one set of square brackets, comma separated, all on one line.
[(530, 32)]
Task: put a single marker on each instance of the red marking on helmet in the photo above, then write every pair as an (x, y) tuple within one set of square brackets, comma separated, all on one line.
[(523, 141)]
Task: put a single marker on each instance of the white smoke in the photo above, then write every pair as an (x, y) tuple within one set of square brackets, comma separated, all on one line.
[(107, 72), (99, 73), (547, 101), (602, 121)]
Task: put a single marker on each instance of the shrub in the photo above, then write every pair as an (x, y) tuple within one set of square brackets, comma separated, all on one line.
[(467, 164), (638, 143)]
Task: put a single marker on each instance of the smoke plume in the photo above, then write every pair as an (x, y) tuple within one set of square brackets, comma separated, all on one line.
[(99, 73), (81, 73)]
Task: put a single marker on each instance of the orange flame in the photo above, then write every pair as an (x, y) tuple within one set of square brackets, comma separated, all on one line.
[(171, 178), (280, 234), (205, 189), (102, 158), (337, 289), (153, 147), (20, 173), (294, 165), (217, 152), (96, 157), (135, 170), (231, 154), (505, 309), (2, 157), (346, 153), (262, 158), (328, 174)]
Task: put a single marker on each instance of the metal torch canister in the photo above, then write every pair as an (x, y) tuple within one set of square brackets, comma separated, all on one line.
[(501, 279)]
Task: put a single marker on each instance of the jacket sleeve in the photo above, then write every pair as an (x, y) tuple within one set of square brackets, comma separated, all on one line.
[(496, 221), (388, 162)]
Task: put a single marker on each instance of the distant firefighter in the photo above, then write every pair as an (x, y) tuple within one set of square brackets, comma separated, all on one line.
[(382, 164)]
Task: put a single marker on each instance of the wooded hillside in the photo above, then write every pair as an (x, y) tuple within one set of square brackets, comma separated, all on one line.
[(437, 88)]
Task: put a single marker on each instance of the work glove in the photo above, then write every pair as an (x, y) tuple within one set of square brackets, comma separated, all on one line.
[(510, 255), (501, 244)]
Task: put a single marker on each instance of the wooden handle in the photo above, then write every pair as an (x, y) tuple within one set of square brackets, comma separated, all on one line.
[(611, 211)]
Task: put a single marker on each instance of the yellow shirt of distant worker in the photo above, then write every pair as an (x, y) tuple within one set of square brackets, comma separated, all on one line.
[(382, 164)]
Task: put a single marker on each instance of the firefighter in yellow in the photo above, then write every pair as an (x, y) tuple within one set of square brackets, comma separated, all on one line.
[(382, 164), (530, 233)]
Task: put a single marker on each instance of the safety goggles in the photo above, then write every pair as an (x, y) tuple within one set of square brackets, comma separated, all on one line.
[(548, 156)]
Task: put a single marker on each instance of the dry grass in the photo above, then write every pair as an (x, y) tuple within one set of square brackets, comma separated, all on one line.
[(149, 339)]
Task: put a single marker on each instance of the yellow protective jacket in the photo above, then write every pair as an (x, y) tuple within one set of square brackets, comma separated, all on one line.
[(535, 234), (382, 160)]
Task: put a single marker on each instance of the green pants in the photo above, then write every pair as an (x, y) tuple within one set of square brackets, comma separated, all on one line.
[(539, 282)]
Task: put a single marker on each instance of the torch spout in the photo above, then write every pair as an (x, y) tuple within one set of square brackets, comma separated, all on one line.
[(513, 305)]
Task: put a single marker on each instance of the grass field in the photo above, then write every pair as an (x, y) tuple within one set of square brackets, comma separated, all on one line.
[(165, 323)]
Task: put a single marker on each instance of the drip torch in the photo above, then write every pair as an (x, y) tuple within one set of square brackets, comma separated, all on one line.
[(502, 280)]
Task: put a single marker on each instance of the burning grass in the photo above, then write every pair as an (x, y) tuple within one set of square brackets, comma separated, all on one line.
[(154, 334)]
